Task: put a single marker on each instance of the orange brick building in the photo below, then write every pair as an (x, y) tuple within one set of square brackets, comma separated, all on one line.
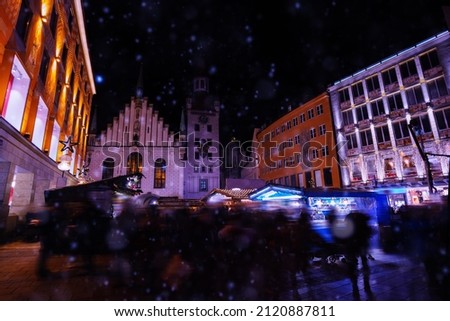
[(298, 149)]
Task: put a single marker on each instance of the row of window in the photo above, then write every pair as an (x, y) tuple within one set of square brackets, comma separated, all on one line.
[(422, 126), (406, 70), (134, 165), (383, 106), (310, 113), (406, 164), (22, 28), (309, 179), (301, 138), (312, 154)]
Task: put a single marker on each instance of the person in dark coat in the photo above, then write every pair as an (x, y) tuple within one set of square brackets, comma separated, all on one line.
[(357, 247)]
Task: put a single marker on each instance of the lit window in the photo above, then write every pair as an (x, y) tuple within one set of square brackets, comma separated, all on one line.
[(160, 173), (203, 185)]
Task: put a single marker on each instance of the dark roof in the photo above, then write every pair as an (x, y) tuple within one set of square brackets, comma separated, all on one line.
[(80, 192)]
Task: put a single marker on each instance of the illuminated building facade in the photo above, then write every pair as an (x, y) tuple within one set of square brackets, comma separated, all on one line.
[(372, 110), (46, 89), (185, 165), (203, 158), (139, 141), (299, 149)]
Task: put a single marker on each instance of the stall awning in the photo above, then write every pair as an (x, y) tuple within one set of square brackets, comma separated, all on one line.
[(219, 194), (276, 192)]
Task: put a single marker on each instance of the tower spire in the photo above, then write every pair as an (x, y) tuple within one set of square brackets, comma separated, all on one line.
[(140, 83), (182, 123)]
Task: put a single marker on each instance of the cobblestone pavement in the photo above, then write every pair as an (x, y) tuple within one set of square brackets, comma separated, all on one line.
[(393, 277)]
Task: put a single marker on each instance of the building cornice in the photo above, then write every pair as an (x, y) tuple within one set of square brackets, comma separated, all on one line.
[(83, 38)]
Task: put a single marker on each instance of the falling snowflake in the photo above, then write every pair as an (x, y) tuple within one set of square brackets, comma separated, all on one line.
[(212, 70), (99, 79)]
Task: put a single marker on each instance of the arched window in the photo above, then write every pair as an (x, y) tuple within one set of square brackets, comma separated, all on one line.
[(134, 163), (160, 173), (108, 168)]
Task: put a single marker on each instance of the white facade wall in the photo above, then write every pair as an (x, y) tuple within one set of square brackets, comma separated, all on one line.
[(436, 142), (152, 131), (204, 168), (186, 176)]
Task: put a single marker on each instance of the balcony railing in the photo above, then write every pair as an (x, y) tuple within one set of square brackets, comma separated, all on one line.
[(391, 87), (349, 128), (399, 113), (403, 141), (364, 123), (440, 102), (385, 145), (374, 93), (413, 109), (433, 72), (427, 136), (379, 119), (359, 100), (444, 133), (411, 80), (368, 148), (353, 152), (345, 104)]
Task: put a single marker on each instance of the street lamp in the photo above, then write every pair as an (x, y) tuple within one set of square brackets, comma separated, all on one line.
[(64, 163), (423, 155)]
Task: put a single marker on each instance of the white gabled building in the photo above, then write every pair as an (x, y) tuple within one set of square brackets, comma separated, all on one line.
[(174, 165)]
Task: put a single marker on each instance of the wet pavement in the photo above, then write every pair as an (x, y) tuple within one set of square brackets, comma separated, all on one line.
[(393, 277)]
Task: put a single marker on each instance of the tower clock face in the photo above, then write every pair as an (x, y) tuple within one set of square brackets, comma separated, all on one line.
[(203, 119)]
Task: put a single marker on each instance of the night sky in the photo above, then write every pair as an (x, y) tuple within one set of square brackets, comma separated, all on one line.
[(260, 56)]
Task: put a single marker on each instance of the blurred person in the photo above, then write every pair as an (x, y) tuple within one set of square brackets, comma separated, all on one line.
[(303, 240), (356, 247)]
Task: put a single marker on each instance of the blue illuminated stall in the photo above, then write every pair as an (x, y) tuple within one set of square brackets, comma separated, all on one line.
[(319, 202)]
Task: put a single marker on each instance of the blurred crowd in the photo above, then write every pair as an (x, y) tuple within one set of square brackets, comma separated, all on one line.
[(218, 254)]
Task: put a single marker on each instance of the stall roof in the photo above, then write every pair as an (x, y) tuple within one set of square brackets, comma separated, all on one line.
[(280, 192), (276, 192), (79, 192), (233, 193)]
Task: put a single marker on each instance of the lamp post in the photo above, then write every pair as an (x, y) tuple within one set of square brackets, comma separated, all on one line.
[(424, 156)]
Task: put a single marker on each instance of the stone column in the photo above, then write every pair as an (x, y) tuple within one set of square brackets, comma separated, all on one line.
[(6, 177), (21, 196)]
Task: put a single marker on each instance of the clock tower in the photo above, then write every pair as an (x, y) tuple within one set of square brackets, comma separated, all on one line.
[(203, 162)]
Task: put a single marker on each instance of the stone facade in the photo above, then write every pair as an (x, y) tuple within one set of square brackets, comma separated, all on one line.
[(185, 164), (46, 89), (372, 110)]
